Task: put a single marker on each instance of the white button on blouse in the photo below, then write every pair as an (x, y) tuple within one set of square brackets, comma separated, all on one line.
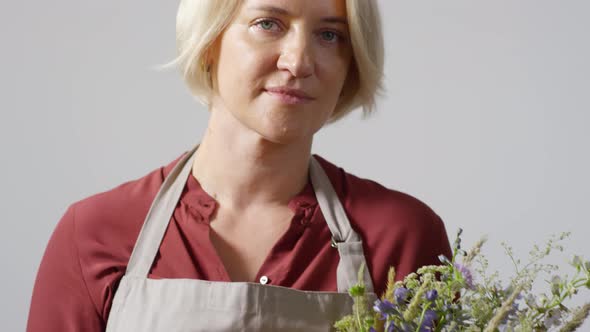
[(264, 280)]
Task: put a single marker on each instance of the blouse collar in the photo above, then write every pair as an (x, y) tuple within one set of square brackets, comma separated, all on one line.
[(197, 198)]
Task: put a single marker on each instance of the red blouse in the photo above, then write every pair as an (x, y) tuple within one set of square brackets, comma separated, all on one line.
[(88, 251)]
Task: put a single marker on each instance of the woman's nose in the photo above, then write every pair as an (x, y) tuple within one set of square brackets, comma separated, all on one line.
[(296, 56)]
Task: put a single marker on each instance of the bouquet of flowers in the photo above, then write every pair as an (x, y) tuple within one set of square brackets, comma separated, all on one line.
[(460, 295)]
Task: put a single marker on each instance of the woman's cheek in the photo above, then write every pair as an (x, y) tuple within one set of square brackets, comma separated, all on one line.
[(258, 66), (333, 70)]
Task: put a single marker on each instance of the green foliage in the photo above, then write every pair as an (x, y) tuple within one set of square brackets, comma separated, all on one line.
[(461, 295)]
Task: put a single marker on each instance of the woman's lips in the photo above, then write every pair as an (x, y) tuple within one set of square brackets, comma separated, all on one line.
[(289, 96)]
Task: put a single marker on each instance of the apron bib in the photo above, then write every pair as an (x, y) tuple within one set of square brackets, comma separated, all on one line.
[(169, 305)]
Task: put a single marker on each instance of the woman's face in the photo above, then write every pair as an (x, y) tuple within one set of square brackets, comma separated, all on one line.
[(273, 46)]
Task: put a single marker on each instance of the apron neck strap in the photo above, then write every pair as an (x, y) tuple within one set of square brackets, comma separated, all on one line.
[(344, 238), (156, 222), (158, 217)]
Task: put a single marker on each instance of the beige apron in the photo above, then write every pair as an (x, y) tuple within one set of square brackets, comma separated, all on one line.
[(167, 305)]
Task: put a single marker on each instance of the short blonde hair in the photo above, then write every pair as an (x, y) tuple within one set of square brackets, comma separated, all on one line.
[(200, 22)]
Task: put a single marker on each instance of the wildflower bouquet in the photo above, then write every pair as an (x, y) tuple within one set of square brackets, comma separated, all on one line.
[(448, 297)]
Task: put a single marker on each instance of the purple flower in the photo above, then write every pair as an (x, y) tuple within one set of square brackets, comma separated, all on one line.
[(402, 328), (555, 283), (372, 329), (431, 295), (508, 291), (391, 327), (385, 308), (512, 312), (531, 301), (553, 318), (466, 273), (400, 294), (427, 324)]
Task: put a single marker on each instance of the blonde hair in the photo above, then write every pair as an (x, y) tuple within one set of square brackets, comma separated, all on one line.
[(200, 22)]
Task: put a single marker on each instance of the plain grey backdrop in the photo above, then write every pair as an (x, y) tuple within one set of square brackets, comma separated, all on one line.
[(485, 119)]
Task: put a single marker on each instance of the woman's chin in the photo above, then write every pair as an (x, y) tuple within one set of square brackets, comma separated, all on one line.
[(282, 134)]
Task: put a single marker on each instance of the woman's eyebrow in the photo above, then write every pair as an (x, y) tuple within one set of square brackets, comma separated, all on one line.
[(271, 9), (282, 11), (335, 19)]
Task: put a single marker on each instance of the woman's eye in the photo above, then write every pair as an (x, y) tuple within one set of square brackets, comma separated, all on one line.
[(266, 24), (329, 35)]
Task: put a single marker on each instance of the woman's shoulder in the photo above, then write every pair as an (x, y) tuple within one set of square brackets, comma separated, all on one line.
[(377, 204), (92, 242), (124, 199), (109, 222), (397, 229)]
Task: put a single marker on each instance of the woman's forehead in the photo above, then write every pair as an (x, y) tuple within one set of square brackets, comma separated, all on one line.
[(298, 7)]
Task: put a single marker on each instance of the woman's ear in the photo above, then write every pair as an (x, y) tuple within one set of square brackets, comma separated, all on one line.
[(213, 50), (210, 58)]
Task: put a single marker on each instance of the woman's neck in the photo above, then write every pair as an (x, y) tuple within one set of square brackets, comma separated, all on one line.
[(241, 169)]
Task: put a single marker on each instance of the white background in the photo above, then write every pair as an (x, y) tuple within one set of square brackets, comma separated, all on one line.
[(485, 118)]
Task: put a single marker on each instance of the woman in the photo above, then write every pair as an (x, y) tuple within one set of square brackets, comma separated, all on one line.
[(247, 230)]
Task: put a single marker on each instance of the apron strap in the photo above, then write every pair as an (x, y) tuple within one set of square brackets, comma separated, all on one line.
[(348, 242), (158, 217)]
